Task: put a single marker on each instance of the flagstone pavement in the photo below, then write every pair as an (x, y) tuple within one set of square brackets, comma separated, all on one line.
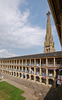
[(32, 90)]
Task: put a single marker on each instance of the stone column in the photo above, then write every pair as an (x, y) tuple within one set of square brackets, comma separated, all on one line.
[(29, 77), (22, 62), (34, 62), (25, 69), (25, 77), (47, 71), (30, 62), (46, 62), (54, 73), (34, 78), (54, 62), (47, 81), (30, 70), (19, 62), (40, 62), (16, 68), (40, 71), (26, 62), (34, 70), (11, 67), (22, 68), (16, 62)]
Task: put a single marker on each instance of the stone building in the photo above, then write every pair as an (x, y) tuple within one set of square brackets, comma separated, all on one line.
[(42, 68)]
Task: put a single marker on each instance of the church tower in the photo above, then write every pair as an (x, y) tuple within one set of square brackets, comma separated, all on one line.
[(49, 44)]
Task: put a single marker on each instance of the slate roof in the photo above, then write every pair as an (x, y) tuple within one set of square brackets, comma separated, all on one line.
[(51, 54)]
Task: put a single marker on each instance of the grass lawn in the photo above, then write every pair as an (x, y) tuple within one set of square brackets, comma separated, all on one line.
[(10, 92)]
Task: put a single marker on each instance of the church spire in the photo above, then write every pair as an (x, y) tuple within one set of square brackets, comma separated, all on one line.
[(49, 44)]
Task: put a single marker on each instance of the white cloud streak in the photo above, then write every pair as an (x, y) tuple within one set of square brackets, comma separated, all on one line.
[(5, 53)]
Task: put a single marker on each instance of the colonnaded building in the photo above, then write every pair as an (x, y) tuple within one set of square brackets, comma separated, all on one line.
[(42, 68)]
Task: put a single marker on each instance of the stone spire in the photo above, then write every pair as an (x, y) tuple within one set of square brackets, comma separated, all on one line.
[(49, 44)]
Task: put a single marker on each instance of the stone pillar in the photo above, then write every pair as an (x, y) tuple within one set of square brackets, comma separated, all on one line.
[(34, 62), (54, 73), (22, 62), (19, 68), (11, 67), (30, 62), (40, 62), (16, 68), (26, 69), (26, 62), (46, 62), (30, 70), (40, 71), (29, 77), (47, 81), (16, 62), (25, 77), (11, 62), (22, 68), (34, 78), (46, 71), (54, 62), (19, 62), (34, 70)]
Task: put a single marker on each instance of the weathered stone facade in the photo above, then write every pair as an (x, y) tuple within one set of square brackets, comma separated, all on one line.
[(49, 44)]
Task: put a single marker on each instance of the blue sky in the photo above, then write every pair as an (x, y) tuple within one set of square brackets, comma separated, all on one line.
[(23, 27)]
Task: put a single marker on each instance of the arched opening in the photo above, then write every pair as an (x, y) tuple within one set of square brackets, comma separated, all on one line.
[(51, 82), (17, 74), (20, 75), (32, 77), (14, 74), (12, 67), (37, 78), (10, 72), (43, 80), (23, 75), (37, 71), (27, 76)]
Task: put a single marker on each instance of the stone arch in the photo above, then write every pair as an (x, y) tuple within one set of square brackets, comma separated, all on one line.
[(51, 82), (27, 76), (14, 73), (43, 80), (20, 75), (32, 77), (23, 75), (17, 74), (37, 78)]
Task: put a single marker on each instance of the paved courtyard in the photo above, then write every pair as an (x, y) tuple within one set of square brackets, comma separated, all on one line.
[(32, 90)]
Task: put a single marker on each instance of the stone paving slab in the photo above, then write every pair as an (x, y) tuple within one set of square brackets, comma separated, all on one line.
[(32, 90)]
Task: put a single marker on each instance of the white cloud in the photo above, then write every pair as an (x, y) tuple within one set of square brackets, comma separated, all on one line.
[(15, 30), (6, 53)]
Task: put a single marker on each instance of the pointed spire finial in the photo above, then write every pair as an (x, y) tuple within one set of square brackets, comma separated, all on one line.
[(48, 13)]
